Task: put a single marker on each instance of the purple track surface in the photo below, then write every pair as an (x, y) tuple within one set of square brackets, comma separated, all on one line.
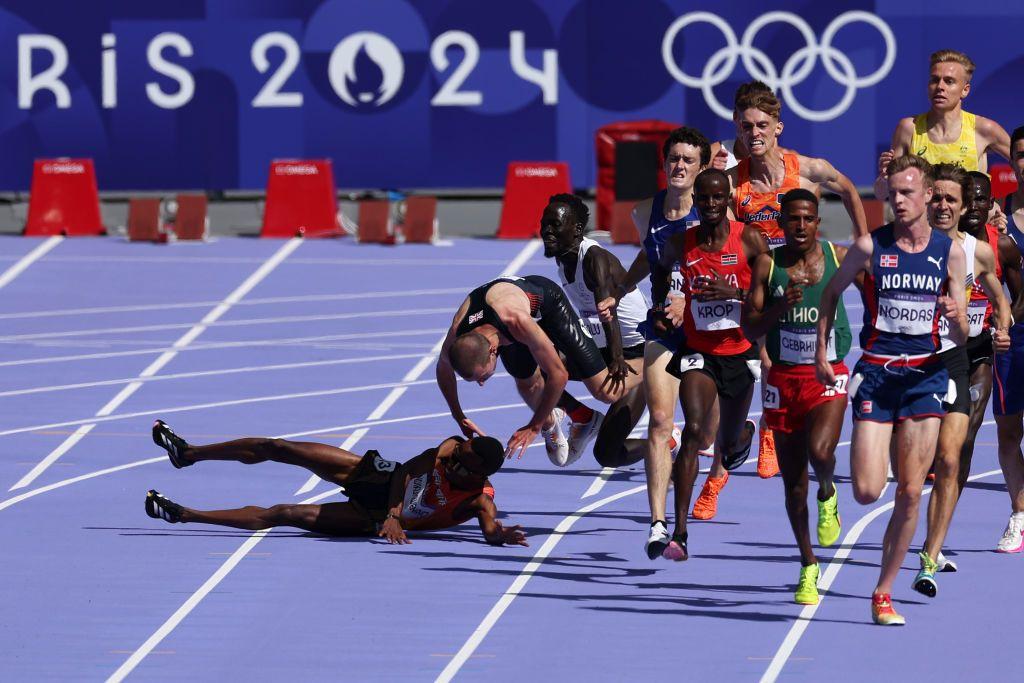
[(335, 339)]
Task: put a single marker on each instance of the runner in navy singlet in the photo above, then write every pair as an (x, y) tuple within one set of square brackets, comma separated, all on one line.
[(1008, 389), (912, 275), (668, 213)]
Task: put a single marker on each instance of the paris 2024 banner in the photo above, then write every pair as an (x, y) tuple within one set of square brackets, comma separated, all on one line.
[(443, 94)]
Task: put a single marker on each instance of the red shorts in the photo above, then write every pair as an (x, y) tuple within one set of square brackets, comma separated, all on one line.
[(792, 391)]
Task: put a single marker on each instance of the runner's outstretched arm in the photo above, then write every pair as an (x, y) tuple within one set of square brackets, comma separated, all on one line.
[(857, 259), (494, 532)]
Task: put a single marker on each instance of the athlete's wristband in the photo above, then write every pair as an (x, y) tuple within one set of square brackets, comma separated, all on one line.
[(391, 515)]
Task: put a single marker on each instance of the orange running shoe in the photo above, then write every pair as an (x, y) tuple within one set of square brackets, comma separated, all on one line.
[(767, 460), (883, 613), (706, 504)]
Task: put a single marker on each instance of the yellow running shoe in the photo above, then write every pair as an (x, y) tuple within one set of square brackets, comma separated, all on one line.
[(829, 523), (883, 613), (767, 460), (807, 589), (706, 505)]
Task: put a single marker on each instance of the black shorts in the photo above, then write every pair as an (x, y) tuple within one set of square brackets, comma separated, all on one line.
[(628, 353), (732, 374), (564, 328), (957, 366), (979, 350), (369, 485)]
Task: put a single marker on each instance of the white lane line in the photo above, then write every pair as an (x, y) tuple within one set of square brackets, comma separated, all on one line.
[(599, 481), (262, 301), (163, 458), (28, 259), (280, 320), (481, 631), (520, 582), (136, 657), (60, 450), (803, 620), (209, 373), (193, 601), (425, 362), (250, 282), (285, 342), (74, 480)]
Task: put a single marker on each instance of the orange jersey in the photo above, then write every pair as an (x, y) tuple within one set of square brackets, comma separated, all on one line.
[(431, 500), (762, 209), (714, 326)]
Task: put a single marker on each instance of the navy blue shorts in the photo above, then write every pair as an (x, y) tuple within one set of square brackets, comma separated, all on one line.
[(897, 392), (1008, 376)]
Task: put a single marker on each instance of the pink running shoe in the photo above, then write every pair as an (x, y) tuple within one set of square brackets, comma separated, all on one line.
[(676, 550)]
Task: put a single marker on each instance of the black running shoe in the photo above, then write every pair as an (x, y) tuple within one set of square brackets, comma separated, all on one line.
[(731, 461), (161, 507), (172, 443)]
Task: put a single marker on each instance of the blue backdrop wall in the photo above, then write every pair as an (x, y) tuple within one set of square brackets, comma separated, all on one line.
[(401, 94)]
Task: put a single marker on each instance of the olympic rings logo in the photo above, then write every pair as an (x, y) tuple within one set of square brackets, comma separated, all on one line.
[(796, 69)]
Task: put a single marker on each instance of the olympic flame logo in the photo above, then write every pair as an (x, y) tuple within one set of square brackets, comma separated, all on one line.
[(797, 68)]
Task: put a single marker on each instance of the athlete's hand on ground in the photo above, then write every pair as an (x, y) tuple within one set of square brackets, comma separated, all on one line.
[(606, 308), (618, 371), (1000, 341), (519, 441), (513, 535), (469, 428), (675, 311), (883, 161), (714, 289), (823, 370), (392, 530)]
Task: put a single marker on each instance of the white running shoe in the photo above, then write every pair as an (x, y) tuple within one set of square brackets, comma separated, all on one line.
[(657, 541), (945, 564), (677, 437), (581, 433), (555, 442), (1013, 538)]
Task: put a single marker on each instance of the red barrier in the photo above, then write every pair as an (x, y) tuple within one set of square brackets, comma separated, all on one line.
[(144, 224), (64, 200), (301, 200), (637, 185), (528, 185), (1004, 182)]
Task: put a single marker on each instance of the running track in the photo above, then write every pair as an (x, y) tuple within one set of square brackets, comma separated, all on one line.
[(334, 341)]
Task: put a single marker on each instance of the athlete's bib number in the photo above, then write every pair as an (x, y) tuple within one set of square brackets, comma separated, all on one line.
[(906, 314), (677, 281), (694, 361), (712, 316), (797, 345), (592, 324), (770, 396), (839, 388), (975, 316)]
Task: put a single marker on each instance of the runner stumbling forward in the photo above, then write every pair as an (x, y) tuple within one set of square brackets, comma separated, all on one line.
[(761, 179), (945, 210), (715, 362), (669, 212), (439, 488), (806, 416), (912, 275), (530, 324), (590, 274)]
